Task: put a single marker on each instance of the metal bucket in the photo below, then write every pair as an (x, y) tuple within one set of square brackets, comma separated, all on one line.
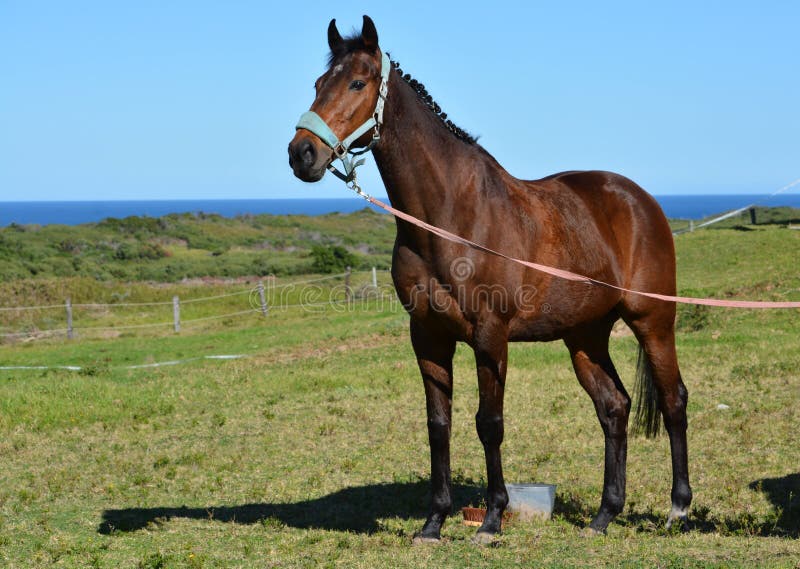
[(529, 501)]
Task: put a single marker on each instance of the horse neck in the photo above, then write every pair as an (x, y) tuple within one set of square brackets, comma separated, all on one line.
[(427, 171)]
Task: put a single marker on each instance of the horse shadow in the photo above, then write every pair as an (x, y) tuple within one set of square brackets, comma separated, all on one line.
[(784, 521), (359, 509), (784, 494)]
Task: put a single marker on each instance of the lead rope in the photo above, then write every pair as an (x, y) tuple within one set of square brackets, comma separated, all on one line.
[(351, 181), (560, 273)]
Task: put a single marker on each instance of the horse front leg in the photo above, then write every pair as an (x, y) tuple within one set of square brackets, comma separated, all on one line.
[(491, 357), (434, 351)]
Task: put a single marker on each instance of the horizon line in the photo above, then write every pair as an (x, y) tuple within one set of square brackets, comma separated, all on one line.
[(215, 199)]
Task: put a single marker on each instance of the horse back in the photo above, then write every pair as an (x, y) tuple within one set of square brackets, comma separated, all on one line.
[(608, 219)]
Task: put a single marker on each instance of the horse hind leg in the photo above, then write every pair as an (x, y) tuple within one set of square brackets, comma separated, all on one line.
[(597, 375), (662, 392)]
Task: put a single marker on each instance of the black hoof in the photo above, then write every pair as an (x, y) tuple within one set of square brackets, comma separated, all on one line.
[(678, 525)]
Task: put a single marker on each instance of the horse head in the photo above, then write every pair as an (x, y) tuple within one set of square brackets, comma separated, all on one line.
[(348, 107)]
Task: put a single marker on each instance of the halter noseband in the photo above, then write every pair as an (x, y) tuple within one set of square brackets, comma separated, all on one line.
[(313, 123)]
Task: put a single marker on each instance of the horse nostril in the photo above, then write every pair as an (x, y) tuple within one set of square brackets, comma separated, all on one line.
[(308, 153)]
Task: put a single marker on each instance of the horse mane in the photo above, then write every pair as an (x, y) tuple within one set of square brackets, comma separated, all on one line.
[(356, 43)]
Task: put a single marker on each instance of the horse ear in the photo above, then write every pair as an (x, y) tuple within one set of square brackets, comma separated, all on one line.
[(369, 34), (334, 38)]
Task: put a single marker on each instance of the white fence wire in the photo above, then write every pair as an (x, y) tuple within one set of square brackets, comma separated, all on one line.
[(261, 300)]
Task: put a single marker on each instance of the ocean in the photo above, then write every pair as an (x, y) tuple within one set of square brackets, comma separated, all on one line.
[(77, 212)]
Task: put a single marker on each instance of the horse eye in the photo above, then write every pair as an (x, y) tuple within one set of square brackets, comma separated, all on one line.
[(357, 85)]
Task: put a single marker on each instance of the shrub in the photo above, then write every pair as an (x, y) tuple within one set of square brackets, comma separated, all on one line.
[(332, 258), (134, 251)]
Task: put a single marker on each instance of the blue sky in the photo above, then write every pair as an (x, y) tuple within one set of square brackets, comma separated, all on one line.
[(193, 99)]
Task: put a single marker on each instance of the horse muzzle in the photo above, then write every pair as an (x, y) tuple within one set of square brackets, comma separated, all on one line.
[(308, 158)]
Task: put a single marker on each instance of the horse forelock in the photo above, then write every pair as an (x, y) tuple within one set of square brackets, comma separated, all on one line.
[(348, 45)]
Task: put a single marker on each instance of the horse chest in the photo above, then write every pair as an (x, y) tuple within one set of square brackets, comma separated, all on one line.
[(428, 299)]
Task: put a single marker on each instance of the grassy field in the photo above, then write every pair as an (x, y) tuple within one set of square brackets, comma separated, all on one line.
[(312, 451)]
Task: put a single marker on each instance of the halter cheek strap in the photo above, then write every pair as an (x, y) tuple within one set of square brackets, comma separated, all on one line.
[(313, 123)]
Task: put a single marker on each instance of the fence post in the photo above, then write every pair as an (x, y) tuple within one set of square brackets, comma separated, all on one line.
[(752, 216), (691, 225), (348, 294), (262, 297), (374, 278), (70, 333), (176, 313)]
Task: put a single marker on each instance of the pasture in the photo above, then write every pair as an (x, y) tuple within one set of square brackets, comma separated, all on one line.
[(313, 450)]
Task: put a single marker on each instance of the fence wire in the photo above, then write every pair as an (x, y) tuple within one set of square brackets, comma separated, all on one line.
[(255, 307)]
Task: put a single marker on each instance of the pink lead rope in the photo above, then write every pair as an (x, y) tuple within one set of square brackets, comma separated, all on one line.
[(561, 273)]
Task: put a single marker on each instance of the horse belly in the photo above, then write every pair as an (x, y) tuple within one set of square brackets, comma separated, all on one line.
[(559, 314)]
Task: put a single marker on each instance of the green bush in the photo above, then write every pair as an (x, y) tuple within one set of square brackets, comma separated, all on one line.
[(135, 251), (332, 258)]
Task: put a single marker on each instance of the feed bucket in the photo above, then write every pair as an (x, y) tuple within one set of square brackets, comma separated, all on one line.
[(529, 501)]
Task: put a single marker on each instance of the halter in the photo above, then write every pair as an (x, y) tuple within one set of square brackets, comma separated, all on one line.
[(313, 123)]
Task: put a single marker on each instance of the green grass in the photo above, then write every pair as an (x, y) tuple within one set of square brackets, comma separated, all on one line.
[(313, 450), (114, 309), (782, 216)]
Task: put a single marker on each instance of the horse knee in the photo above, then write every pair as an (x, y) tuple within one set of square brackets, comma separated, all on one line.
[(490, 429), (438, 432)]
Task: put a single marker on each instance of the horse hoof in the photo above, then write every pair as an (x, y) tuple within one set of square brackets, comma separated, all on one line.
[(589, 531), (484, 538), (681, 523), (422, 540), (681, 516)]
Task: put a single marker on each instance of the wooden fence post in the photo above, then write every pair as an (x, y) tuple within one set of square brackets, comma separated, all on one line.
[(752, 216), (691, 225), (70, 332), (262, 297), (176, 313), (348, 294), (374, 278)]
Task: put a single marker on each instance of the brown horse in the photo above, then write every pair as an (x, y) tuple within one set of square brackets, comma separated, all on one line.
[(597, 224)]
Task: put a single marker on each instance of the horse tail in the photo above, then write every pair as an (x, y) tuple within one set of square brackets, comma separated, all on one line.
[(647, 418)]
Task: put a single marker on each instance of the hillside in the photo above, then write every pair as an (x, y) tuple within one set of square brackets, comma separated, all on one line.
[(179, 246)]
